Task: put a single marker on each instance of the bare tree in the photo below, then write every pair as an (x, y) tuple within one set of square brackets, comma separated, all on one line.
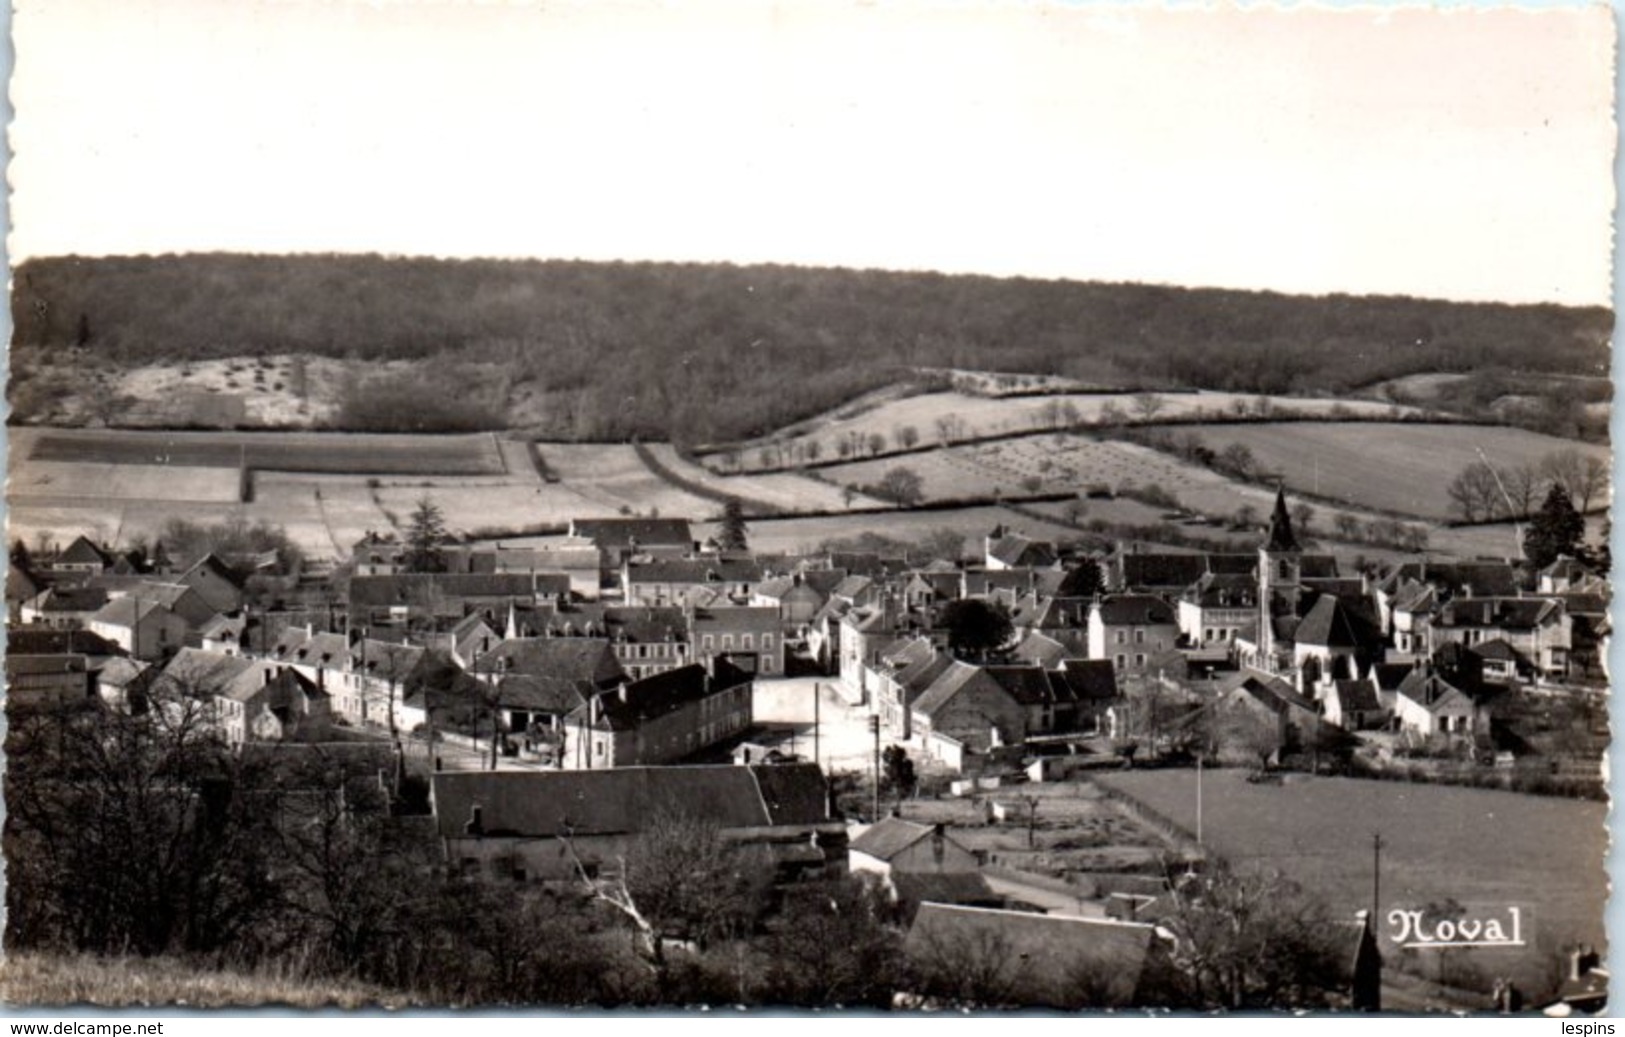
[(1250, 939), (1148, 404)]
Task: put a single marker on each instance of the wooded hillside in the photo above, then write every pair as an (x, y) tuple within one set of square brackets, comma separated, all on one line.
[(702, 353)]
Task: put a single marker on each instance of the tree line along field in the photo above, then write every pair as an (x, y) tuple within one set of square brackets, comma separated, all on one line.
[(889, 421), (1475, 846), (1401, 468), (617, 350)]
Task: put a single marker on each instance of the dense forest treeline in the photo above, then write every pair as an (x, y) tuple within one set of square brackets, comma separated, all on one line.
[(702, 353)]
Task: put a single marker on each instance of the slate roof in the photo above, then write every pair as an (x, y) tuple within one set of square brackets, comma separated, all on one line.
[(1092, 679), (612, 534), (587, 659), (51, 641), (1356, 696), (447, 590), (1329, 623), (626, 800), (84, 552), (1016, 549), (69, 599), (1167, 571), (630, 623), (1501, 613), (694, 570), (1224, 590), (1135, 610), (638, 702), (889, 837), (1430, 690), (302, 649)]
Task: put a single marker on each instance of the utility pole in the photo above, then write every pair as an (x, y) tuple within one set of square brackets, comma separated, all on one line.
[(874, 726), (818, 693), (1198, 799), (1376, 877)]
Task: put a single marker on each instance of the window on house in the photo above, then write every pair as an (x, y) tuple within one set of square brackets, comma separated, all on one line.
[(746, 642), (1139, 637), (767, 642), (727, 642), (1120, 661), (706, 642), (598, 748), (1139, 660), (1122, 637)]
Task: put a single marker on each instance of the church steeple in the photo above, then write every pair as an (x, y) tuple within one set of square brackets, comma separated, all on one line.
[(1280, 534), (1279, 578)]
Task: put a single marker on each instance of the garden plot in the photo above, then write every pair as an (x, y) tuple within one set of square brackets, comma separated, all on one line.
[(1400, 468)]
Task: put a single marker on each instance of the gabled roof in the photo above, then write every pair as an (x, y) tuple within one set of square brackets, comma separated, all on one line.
[(627, 800), (1328, 623), (1498, 650), (1267, 689), (212, 566), (947, 684), (1432, 691), (889, 837), (384, 659), (1356, 696), (83, 551), (1092, 679), (588, 659), (69, 599), (1016, 549), (638, 702)]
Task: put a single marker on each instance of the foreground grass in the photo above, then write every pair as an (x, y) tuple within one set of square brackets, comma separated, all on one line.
[(46, 979)]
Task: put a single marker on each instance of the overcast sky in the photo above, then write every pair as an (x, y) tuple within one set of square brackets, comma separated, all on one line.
[(1463, 154)]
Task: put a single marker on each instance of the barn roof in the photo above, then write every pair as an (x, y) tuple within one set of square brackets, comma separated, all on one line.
[(626, 800)]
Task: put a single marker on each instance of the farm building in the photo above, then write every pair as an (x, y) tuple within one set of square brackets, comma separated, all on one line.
[(536, 825), (893, 845)]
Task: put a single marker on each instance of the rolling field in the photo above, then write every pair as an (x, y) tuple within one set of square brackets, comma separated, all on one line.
[(59, 480), (961, 416), (1476, 846), (611, 476), (785, 491), (1390, 467), (343, 453)]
